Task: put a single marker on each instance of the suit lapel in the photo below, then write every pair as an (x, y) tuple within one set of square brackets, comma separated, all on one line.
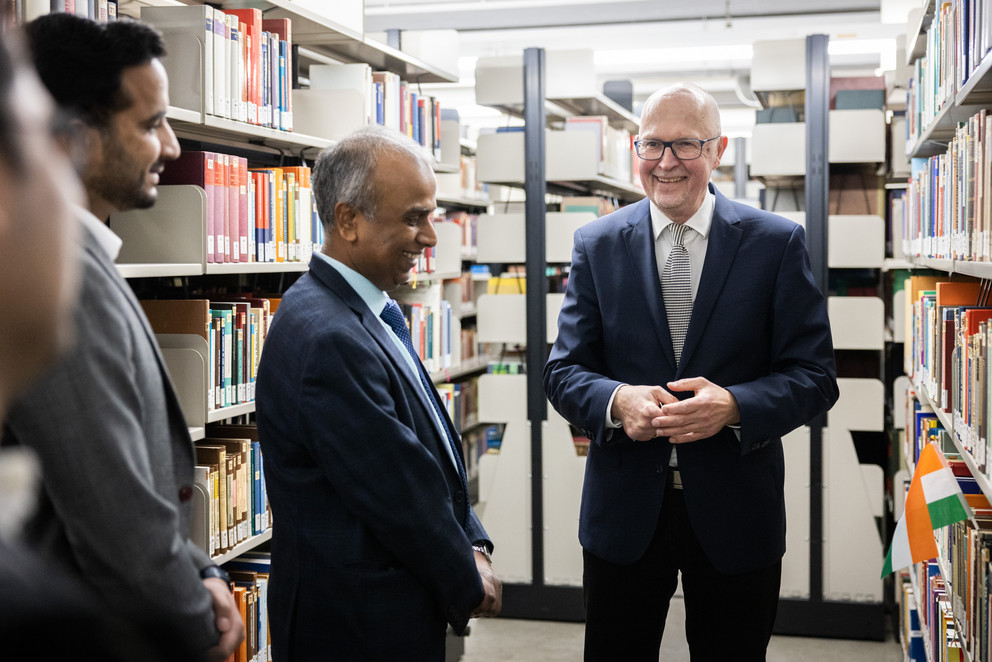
[(330, 278), (721, 248), (638, 236), (177, 419)]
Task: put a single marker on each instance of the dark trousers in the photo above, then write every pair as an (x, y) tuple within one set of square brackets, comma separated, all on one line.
[(727, 617)]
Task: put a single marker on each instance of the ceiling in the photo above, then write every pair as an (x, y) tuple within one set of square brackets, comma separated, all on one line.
[(650, 42)]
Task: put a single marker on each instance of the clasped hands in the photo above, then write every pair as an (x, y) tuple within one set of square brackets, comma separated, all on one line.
[(648, 412)]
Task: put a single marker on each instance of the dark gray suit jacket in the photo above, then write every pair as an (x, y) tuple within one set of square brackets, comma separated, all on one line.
[(117, 461), (371, 546)]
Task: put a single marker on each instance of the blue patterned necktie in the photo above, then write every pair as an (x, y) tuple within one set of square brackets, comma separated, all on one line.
[(676, 288), (393, 316)]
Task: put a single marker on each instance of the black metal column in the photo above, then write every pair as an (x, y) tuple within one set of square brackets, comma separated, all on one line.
[(535, 188), (817, 189), (740, 167)]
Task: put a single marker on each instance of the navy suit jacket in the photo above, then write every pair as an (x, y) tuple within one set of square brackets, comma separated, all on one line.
[(759, 328), (373, 532)]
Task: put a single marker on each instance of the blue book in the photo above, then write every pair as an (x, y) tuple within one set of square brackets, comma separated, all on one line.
[(265, 113), (283, 84), (256, 467), (379, 110)]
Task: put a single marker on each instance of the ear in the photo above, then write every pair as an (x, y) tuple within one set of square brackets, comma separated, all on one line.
[(721, 147), (346, 219)]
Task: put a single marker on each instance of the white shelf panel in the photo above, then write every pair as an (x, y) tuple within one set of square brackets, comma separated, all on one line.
[(256, 267), (224, 413), (855, 241), (857, 322), (159, 269), (242, 547)]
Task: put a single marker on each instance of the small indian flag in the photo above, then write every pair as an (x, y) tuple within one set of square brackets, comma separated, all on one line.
[(934, 500)]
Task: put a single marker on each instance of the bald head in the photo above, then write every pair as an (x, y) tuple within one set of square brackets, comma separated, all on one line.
[(692, 99), (685, 114)]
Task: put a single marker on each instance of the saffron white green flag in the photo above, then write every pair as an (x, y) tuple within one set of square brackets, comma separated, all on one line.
[(934, 500)]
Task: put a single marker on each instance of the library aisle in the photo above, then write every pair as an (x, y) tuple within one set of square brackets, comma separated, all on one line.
[(503, 640)]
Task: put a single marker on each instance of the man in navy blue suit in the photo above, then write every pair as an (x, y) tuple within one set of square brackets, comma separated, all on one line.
[(691, 339), (375, 546)]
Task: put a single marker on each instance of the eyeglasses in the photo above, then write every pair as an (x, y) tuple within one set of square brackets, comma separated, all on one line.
[(684, 149)]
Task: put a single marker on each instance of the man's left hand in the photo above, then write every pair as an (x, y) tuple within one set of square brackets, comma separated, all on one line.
[(703, 415)]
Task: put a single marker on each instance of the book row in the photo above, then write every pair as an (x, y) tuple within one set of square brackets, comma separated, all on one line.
[(952, 358), (465, 183), (430, 330), (250, 586), (910, 634), (364, 97), (252, 214), (247, 60), (938, 629), (957, 41), (948, 210), (231, 483), (616, 147), (98, 10), (234, 331)]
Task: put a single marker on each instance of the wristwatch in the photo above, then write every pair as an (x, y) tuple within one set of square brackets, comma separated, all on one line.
[(482, 549), (215, 571)]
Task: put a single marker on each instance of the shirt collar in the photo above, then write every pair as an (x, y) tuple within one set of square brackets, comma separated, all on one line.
[(106, 238), (700, 221), (373, 297)]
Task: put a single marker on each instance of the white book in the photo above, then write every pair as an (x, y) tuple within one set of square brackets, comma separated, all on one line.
[(222, 106), (234, 66), (391, 102)]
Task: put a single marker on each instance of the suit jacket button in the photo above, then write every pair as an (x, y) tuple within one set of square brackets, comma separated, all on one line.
[(185, 493), (459, 496)]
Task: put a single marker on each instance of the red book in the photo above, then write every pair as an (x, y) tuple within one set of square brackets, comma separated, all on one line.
[(244, 223), (234, 203), (220, 207), (252, 18), (223, 190)]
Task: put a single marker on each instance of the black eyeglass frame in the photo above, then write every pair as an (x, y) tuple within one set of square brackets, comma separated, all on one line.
[(670, 144)]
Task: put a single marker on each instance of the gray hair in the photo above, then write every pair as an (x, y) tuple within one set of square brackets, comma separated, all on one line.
[(345, 172)]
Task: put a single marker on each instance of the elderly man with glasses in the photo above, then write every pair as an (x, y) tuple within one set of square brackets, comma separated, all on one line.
[(691, 340)]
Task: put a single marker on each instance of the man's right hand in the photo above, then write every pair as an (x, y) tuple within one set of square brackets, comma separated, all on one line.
[(492, 603), (636, 406), (227, 619)]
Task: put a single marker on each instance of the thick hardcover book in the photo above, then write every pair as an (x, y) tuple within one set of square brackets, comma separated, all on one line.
[(240, 451), (189, 316)]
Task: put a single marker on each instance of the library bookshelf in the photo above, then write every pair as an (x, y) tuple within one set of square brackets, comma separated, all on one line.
[(945, 238)]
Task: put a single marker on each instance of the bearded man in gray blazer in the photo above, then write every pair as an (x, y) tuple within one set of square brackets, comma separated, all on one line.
[(115, 452)]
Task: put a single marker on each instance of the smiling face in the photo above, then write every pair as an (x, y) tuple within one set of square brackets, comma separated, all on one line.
[(132, 150), (385, 249), (679, 187)]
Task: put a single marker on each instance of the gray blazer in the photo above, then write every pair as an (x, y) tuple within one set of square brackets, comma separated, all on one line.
[(117, 461)]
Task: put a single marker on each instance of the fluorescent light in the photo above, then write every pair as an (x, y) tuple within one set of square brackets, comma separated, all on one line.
[(861, 46), (656, 58)]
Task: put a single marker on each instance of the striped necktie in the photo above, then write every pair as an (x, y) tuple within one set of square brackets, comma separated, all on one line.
[(393, 316), (676, 288)]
